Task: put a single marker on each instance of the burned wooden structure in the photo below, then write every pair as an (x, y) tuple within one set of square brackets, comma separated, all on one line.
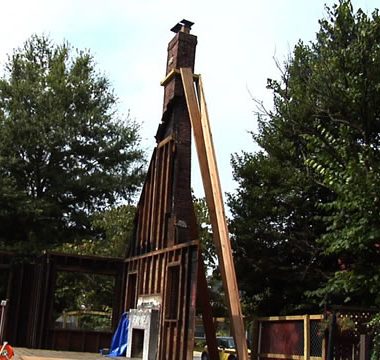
[(163, 257), (30, 290), (164, 264), (162, 278)]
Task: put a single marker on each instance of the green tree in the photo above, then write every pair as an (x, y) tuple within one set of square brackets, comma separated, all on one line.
[(112, 227), (274, 228), (205, 232), (85, 293), (214, 280), (344, 150), (65, 153), (89, 297), (305, 215)]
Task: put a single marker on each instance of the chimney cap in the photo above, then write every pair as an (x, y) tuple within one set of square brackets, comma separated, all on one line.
[(184, 26)]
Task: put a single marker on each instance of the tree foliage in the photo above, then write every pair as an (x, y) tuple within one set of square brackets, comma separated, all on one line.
[(214, 280), (65, 153), (87, 297), (112, 231), (274, 230), (205, 233), (304, 217), (344, 150)]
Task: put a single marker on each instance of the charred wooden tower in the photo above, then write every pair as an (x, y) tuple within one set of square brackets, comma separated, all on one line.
[(158, 280), (162, 261)]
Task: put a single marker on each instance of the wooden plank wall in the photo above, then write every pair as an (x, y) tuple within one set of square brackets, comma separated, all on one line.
[(162, 261)]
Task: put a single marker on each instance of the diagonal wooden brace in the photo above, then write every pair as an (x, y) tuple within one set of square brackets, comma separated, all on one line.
[(206, 155)]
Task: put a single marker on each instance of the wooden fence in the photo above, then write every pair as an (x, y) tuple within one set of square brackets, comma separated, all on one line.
[(289, 337)]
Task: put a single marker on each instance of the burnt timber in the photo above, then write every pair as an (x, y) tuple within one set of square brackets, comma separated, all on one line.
[(162, 260), (165, 257), (29, 320)]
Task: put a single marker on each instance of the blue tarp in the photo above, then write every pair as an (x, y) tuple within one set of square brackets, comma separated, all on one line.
[(119, 339)]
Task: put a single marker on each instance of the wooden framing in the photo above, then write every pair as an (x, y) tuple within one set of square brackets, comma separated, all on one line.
[(210, 176), (289, 317), (166, 236), (305, 321), (164, 250), (163, 258), (306, 337), (172, 73), (287, 357), (175, 294), (31, 296), (164, 261)]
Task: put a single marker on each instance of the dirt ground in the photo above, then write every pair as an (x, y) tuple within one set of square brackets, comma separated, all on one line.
[(35, 354)]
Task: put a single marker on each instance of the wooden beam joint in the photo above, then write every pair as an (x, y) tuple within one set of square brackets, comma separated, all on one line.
[(172, 73)]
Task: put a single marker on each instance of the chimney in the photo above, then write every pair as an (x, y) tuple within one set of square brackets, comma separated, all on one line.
[(181, 53)]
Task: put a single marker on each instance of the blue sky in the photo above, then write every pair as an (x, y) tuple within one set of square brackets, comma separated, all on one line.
[(237, 41)]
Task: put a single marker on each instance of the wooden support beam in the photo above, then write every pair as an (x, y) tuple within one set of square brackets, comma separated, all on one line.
[(205, 305), (210, 176), (289, 317), (171, 75), (364, 347), (306, 337)]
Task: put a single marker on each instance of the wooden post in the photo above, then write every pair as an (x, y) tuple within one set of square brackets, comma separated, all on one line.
[(331, 339), (364, 347), (3, 306), (205, 305), (255, 339), (259, 338), (306, 337), (209, 171)]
